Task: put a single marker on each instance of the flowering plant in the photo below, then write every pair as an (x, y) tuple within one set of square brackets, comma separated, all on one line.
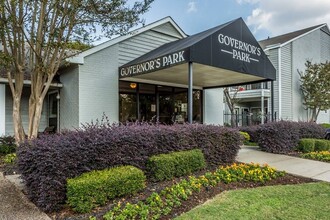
[(159, 204)]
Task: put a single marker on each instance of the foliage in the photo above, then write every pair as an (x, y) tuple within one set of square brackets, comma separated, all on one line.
[(159, 204), (322, 145), (95, 188), (45, 163), (278, 137), (37, 38), (7, 145), (310, 130), (306, 145), (78, 46), (283, 136), (270, 202), (325, 125), (321, 156), (10, 158), (315, 87), (252, 131), (246, 137), (7, 149), (166, 166)]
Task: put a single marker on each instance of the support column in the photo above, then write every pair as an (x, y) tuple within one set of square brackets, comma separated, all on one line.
[(2, 109), (272, 97), (262, 104), (190, 92)]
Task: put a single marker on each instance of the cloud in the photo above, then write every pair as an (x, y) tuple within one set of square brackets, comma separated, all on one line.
[(192, 7), (283, 16), (247, 1)]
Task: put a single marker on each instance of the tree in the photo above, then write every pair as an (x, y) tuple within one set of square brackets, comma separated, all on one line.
[(231, 102), (315, 87), (37, 36)]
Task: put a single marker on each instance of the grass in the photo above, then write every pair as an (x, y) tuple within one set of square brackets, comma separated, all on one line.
[(305, 201)]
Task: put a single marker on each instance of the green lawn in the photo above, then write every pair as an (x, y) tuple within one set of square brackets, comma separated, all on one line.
[(305, 201)]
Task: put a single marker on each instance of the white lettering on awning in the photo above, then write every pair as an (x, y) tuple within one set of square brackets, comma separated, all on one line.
[(152, 65), (240, 49)]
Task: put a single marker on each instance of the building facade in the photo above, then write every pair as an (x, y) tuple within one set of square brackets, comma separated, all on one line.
[(288, 54), (154, 73)]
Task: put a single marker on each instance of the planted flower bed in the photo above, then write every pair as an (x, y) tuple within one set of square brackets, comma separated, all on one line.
[(162, 203), (321, 156)]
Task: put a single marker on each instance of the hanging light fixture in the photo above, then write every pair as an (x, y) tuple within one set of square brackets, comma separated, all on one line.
[(133, 85)]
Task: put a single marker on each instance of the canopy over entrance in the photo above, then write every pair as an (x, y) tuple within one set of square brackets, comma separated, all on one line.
[(224, 55)]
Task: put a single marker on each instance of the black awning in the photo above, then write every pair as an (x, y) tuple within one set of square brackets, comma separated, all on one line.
[(228, 49)]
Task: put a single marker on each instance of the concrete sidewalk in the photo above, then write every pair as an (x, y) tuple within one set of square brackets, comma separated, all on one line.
[(297, 166), (15, 205)]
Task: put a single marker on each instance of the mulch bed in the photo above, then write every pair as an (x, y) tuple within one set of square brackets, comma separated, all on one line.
[(193, 201)]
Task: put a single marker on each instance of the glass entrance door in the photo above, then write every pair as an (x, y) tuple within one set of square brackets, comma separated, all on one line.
[(166, 105)]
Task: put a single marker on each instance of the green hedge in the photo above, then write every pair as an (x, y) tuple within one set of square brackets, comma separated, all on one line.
[(176, 164), (306, 145), (95, 188), (325, 125), (322, 145)]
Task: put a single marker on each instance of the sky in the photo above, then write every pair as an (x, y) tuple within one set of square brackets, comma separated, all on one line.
[(265, 18)]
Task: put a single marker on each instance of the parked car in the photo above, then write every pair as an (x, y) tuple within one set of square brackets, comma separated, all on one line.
[(327, 134)]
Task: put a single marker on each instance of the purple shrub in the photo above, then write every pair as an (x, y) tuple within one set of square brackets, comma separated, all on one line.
[(283, 136), (47, 162), (278, 137), (310, 130)]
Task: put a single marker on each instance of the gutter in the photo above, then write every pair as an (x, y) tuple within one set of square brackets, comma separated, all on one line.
[(28, 82)]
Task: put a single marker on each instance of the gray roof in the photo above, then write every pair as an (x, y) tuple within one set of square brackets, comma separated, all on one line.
[(286, 37)]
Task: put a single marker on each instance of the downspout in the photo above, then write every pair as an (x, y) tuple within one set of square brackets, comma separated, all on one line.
[(279, 83), (2, 109)]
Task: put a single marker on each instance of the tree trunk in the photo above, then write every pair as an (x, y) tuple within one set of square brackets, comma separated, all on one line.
[(233, 120), (17, 120), (35, 117)]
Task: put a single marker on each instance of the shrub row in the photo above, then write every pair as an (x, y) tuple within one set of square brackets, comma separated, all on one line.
[(47, 162), (159, 204), (321, 156), (307, 145), (283, 136), (176, 164), (95, 188)]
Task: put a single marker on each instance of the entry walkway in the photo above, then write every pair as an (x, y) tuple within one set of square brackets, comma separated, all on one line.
[(15, 205), (297, 166)]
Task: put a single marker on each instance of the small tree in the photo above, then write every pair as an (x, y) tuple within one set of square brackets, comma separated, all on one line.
[(37, 36), (231, 101), (315, 87)]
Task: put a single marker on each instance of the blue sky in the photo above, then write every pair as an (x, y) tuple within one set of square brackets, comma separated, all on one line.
[(264, 17)]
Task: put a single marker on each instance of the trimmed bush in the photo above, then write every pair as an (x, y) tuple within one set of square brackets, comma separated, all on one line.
[(283, 136), (306, 145), (309, 130), (47, 162), (321, 145), (278, 137), (95, 188), (176, 164), (325, 125), (246, 137)]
